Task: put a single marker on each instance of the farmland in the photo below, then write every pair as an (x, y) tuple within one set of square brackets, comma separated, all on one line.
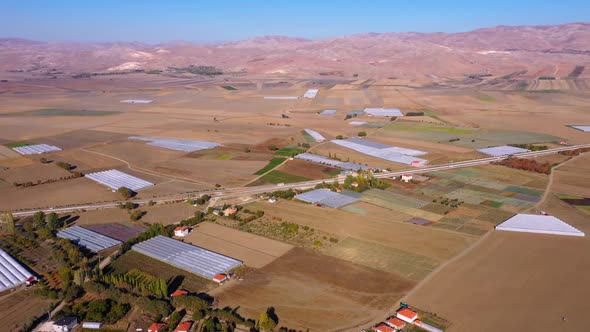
[(19, 308)]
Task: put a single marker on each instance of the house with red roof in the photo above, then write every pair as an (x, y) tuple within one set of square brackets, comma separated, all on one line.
[(396, 323), (183, 327), (181, 231), (178, 292), (155, 327), (382, 327), (220, 278), (407, 315)]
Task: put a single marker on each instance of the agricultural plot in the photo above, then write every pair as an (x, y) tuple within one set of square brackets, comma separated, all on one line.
[(88, 239), (384, 258), (274, 162), (12, 274), (255, 251), (277, 177), (382, 151), (115, 179), (20, 308), (504, 150), (52, 112), (120, 232), (177, 144), (289, 151), (326, 197), (191, 258), (317, 137), (35, 149)]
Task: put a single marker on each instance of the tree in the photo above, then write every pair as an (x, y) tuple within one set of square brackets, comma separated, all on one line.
[(339, 137), (265, 322), (39, 218), (126, 193), (65, 166), (53, 221), (8, 219), (362, 133), (65, 276)]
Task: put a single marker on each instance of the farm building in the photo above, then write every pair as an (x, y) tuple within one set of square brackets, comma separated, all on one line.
[(178, 292), (177, 144), (181, 231), (382, 327), (311, 93), (91, 325), (156, 327), (383, 151), (65, 324), (328, 112), (36, 149), (88, 239), (504, 150), (12, 274), (426, 327), (115, 179), (272, 200), (372, 111), (183, 327), (326, 197), (220, 278), (585, 128), (406, 177), (407, 315), (534, 223), (396, 323), (230, 210), (136, 101), (185, 256), (315, 135)]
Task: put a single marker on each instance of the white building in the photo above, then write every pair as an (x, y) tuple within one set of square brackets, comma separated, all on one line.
[(406, 178), (311, 93), (181, 231)]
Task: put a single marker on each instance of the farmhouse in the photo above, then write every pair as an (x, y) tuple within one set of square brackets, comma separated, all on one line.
[(156, 327), (65, 324), (396, 323), (230, 210), (183, 327), (406, 178), (382, 327), (407, 315), (181, 231), (272, 200), (220, 278)]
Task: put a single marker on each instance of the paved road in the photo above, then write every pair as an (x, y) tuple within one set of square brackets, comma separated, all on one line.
[(240, 191)]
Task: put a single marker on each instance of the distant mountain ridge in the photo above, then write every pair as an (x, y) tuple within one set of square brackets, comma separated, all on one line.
[(540, 50)]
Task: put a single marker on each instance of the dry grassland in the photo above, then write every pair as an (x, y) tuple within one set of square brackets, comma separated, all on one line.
[(255, 251), (309, 290)]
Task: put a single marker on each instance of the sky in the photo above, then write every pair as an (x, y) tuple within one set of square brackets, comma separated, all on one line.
[(207, 21)]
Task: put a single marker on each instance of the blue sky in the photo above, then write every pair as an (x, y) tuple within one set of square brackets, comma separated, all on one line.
[(227, 20)]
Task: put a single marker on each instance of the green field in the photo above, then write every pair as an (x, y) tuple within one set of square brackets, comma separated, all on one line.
[(307, 137), (380, 257), (486, 98), (430, 128), (290, 151), (18, 144), (47, 112), (280, 177), (274, 162), (134, 260), (225, 156), (229, 87)]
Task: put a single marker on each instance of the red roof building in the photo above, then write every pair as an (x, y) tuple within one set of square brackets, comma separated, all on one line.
[(220, 278), (155, 327), (183, 327), (382, 327), (407, 315), (181, 231), (396, 323), (179, 292)]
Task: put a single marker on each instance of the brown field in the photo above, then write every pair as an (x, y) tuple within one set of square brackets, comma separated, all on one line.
[(309, 290), (574, 177), (165, 214), (8, 153), (19, 308), (307, 170), (255, 251), (35, 172), (378, 228)]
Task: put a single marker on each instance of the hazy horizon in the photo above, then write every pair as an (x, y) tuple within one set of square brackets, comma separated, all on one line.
[(209, 22)]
